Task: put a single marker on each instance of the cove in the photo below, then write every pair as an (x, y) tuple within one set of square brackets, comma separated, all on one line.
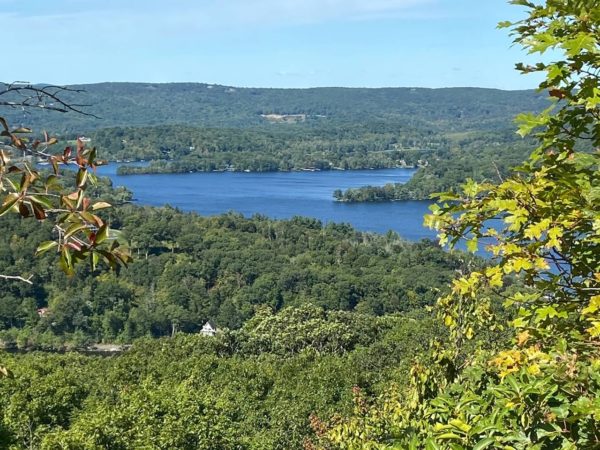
[(282, 195)]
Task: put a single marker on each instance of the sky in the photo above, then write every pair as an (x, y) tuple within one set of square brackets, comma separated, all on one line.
[(263, 43)]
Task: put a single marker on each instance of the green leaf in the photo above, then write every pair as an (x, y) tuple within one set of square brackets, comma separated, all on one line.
[(555, 71), (82, 175), (527, 122), (45, 246), (101, 235), (484, 443), (74, 229), (430, 444), (541, 42), (95, 259), (522, 3), (66, 262), (472, 245), (10, 201), (90, 218), (459, 424), (448, 436), (40, 200), (582, 41)]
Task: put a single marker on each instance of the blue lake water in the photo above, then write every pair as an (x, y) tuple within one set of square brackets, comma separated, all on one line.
[(282, 195)]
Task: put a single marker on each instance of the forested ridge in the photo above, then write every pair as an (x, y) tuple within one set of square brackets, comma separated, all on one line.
[(214, 106)]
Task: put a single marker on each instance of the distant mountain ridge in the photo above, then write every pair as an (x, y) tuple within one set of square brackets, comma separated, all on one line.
[(209, 105)]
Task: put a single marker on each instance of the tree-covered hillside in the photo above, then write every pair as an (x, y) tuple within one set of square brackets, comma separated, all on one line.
[(180, 149), (145, 104), (188, 269), (446, 169)]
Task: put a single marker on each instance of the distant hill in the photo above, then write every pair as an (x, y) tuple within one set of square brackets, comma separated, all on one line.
[(204, 105)]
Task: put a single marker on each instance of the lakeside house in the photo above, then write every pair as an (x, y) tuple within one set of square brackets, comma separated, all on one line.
[(209, 329)]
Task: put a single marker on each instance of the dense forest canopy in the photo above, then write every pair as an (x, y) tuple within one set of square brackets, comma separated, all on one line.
[(189, 269), (297, 304), (258, 388)]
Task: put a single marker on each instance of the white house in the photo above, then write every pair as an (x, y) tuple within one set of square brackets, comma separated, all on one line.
[(209, 329)]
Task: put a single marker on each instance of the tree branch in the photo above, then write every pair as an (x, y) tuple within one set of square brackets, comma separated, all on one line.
[(30, 96), (17, 278)]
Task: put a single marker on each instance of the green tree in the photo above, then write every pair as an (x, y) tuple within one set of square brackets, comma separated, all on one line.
[(542, 224)]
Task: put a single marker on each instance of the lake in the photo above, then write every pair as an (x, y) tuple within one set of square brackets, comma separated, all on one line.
[(282, 195)]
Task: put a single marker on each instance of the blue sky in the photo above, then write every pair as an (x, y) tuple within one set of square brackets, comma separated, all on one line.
[(263, 43)]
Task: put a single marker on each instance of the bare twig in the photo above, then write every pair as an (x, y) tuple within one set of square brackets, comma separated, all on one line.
[(36, 97), (17, 278), (498, 172)]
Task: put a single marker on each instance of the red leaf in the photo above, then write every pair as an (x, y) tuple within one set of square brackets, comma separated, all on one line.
[(38, 211), (557, 93)]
